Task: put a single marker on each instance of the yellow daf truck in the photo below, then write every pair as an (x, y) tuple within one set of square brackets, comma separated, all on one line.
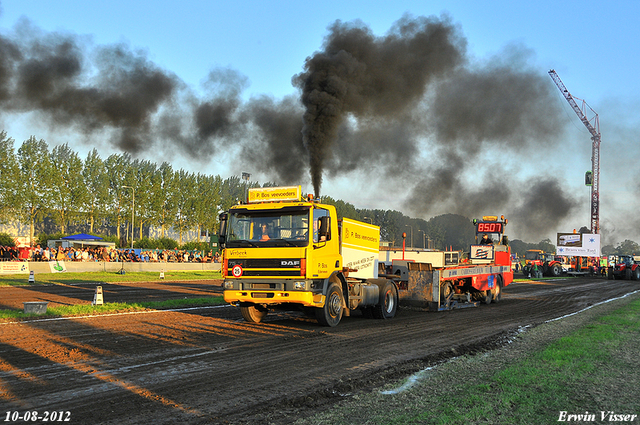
[(283, 251)]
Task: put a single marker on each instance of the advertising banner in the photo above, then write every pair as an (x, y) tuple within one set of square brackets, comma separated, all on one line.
[(57, 266), (578, 244), (275, 194), (360, 247), (14, 267)]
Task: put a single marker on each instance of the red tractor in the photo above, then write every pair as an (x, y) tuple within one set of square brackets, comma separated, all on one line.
[(623, 267), (547, 263)]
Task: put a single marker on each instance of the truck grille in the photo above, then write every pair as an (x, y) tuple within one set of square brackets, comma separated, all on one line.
[(265, 267)]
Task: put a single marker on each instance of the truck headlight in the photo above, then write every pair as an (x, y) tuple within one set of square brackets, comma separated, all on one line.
[(228, 285), (299, 285)]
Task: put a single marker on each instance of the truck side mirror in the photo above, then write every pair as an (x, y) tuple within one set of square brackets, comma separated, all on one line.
[(324, 227)]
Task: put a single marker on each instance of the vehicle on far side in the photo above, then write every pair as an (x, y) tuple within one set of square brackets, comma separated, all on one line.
[(623, 267), (548, 263)]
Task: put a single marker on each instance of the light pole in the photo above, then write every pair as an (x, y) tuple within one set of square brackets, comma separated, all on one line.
[(409, 226), (424, 238), (133, 207), (369, 218)]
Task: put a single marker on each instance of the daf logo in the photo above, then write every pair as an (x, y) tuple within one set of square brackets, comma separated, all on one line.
[(290, 263)]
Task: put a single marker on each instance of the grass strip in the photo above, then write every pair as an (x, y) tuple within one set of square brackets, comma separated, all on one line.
[(590, 370), (104, 277), (108, 308)]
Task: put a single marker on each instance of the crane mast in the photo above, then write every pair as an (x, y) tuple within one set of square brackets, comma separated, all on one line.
[(595, 147)]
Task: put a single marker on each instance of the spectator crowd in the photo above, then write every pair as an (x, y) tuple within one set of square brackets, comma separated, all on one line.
[(106, 254)]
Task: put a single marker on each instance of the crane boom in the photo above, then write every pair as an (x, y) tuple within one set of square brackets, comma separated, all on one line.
[(595, 148)]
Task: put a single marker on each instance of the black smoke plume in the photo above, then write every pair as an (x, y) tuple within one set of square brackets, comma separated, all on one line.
[(365, 76)]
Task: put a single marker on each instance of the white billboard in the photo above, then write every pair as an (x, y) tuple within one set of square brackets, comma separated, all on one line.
[(578, 244)]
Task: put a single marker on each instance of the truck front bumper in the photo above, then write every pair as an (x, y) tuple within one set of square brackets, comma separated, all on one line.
[(307, 299)]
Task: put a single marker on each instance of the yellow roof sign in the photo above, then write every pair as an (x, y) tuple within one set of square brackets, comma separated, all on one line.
[(275, 194)]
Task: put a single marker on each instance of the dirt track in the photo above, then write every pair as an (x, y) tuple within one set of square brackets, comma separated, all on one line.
[(206, 365)]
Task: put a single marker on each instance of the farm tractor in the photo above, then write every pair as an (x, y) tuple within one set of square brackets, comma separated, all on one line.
[(547, 263)]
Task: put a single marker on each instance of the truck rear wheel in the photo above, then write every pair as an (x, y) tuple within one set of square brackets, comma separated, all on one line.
[(253, 313), (387, 303), (636, 274), (331, 313)]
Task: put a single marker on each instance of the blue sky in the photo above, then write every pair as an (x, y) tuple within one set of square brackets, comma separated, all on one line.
[(593, 45)]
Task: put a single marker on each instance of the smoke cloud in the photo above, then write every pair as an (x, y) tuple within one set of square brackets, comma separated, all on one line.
[(366, 76), (410, 108)]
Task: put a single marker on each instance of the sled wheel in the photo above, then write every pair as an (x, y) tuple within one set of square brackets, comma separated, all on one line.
[(446, 294), (496, 292)]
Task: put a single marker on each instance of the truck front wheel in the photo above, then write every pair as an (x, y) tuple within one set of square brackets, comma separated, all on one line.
[(556, 270), (331, 313), (388, 302), (252, 313)]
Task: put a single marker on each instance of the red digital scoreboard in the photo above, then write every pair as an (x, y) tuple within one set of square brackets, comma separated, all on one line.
[(489, 227)]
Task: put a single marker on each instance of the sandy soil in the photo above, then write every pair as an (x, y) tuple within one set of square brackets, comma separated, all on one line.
[(206, 365)]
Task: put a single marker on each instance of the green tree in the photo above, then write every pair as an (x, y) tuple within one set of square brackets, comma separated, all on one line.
[(96, 185), (7, 240), (185, 202), (455, 231), (118, 167), (168, 189), (68, 193), (232, 192), (546, 245), (207, 203), (10, 190), (36, 175), (146, 181), (628, 247)]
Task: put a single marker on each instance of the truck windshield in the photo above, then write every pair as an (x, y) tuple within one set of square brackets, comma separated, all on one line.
[(249, 228)]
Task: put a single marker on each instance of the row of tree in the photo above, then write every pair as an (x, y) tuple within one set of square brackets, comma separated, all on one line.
[(38, 183)]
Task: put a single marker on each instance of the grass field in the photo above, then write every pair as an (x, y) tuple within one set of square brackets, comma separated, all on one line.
[(105, 277), (585, 364), (110, 308)]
